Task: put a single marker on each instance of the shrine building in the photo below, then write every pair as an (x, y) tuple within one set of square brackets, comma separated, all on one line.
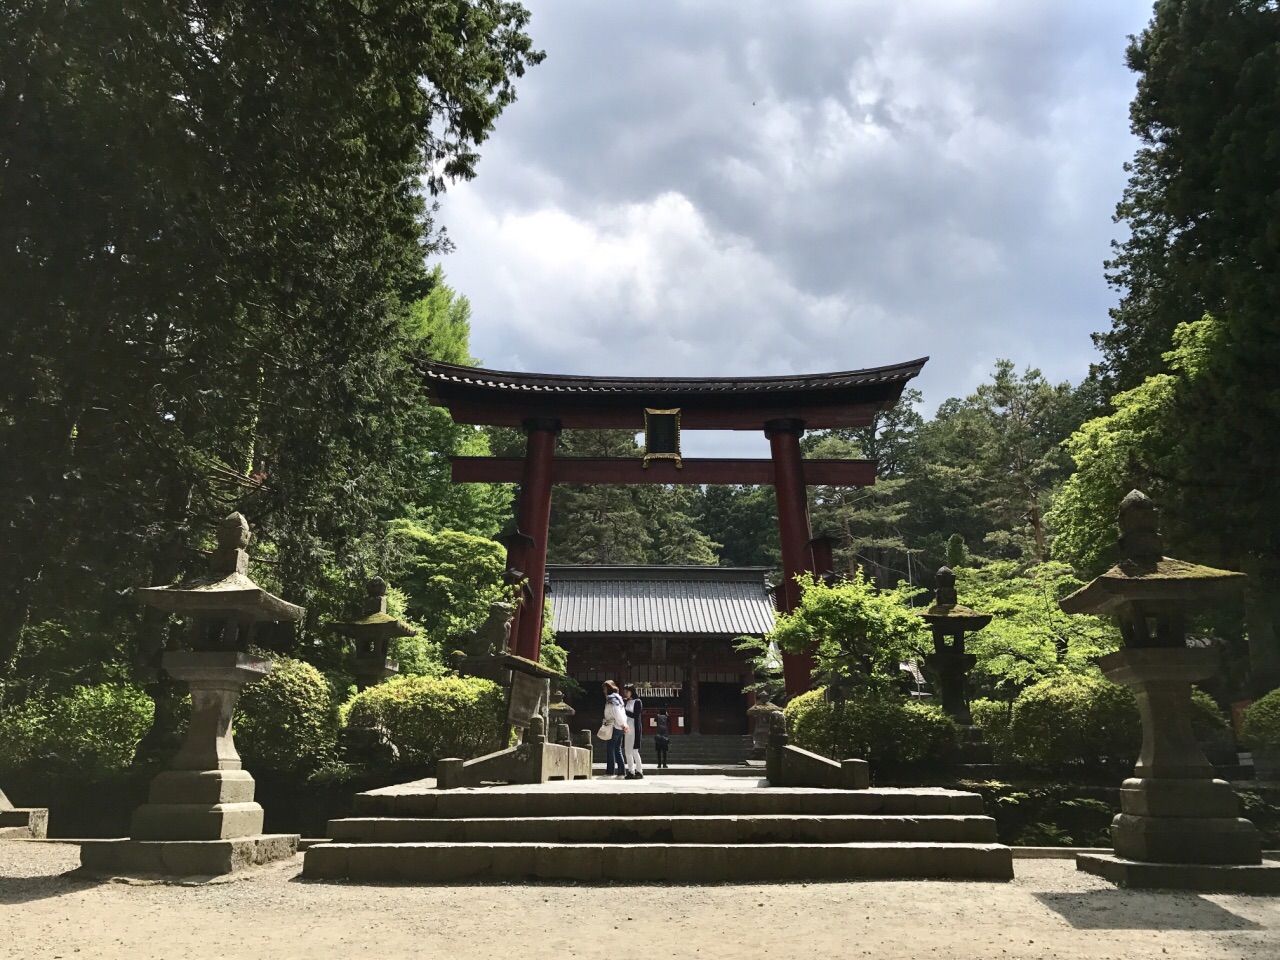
[(670, 630)]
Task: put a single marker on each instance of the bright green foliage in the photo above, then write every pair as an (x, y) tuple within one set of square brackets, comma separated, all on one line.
[(450, 579), (860, 633), (429, 718), (287, 722), (1069, 720), (1261, 730), (89, 732), (1137, 446), (869, 725), (1029, 637)]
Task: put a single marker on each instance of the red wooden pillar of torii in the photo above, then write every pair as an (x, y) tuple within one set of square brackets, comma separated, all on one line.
[(793, 535), (535, 520)]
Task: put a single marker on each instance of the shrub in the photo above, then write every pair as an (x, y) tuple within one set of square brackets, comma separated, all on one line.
[(1261, 729), (287, 722), (1071, 719), (90, 732), (994, 717), (870, 725), (433, 717), (1207, 721)]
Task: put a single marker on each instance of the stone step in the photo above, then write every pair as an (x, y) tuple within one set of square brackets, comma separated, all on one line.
[(655, 799), (768, 829), (24, 823), (678, 863)]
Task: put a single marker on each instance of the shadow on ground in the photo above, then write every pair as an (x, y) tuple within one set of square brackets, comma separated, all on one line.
[(1134, 910), (16, 890)]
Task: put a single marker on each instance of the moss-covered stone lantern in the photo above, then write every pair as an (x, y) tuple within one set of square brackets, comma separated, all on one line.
[(1178, 825), (371, 636), (201, 816)]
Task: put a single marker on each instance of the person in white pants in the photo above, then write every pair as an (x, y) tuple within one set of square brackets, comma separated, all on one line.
[(635, 730)]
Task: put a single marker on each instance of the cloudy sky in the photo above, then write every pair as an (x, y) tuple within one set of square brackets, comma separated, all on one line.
[(731, 187)]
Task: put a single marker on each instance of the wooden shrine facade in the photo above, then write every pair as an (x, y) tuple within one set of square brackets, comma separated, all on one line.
[(670, 630), (545, 404)]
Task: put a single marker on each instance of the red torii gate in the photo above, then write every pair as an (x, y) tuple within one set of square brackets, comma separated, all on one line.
[(544, 404)]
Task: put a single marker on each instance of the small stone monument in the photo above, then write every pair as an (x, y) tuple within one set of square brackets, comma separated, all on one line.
[(538, 757), (201, 817), (1178, 827), (950, 622), (371, 636), (560, 713)]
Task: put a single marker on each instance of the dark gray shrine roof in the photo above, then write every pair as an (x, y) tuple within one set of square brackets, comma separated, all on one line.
[(714, 601)]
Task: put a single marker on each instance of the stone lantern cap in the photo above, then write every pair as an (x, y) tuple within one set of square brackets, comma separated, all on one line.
[(226, 590), (559, 709), (763, 707), (1145, 575), (376, 624), (947, 614)]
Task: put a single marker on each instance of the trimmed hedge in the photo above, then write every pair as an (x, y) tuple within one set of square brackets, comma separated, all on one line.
[(870, 726), (433, 717), (287, 722), (90, 732), (1070, 719), (1261, 727)]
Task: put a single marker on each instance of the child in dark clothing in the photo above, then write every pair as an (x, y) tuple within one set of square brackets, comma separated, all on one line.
[(662, 737)]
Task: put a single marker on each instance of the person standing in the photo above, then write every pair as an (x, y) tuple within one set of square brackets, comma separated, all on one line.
[(635, 721), (615, 715), (662, 736)]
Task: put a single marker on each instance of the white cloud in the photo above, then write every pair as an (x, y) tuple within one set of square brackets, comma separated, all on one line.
[(738, 187)]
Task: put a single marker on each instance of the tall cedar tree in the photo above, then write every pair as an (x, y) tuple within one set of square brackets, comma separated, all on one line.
[(1203, 205), (213, 217)]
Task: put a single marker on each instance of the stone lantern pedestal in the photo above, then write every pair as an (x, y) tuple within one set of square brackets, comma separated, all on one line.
[(1173, 810), (1179, 827), (200, 816)]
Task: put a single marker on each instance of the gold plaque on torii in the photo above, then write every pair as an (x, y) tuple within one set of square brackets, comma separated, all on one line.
[(662, 436)]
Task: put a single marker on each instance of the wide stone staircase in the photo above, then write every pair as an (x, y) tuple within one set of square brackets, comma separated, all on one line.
[(719, 829)]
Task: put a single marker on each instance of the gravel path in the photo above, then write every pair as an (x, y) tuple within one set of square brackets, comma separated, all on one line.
[(1049, 911)]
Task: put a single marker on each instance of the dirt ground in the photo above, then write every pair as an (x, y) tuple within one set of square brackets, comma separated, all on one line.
[(1050, 910)]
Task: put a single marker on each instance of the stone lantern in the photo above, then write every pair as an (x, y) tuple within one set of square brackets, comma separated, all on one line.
[(201, 817), (1178, 825), (560, 713), (950, 622), (766, 714), (371, 636)]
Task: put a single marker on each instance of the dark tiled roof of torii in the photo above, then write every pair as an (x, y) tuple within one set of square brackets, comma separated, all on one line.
[(644, 386), (821, 400)]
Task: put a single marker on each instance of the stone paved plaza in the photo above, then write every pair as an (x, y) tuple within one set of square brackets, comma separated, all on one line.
[(1048, 911)]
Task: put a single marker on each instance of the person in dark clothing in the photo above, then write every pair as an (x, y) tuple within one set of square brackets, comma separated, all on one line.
[(662, 736), (635, 726)]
